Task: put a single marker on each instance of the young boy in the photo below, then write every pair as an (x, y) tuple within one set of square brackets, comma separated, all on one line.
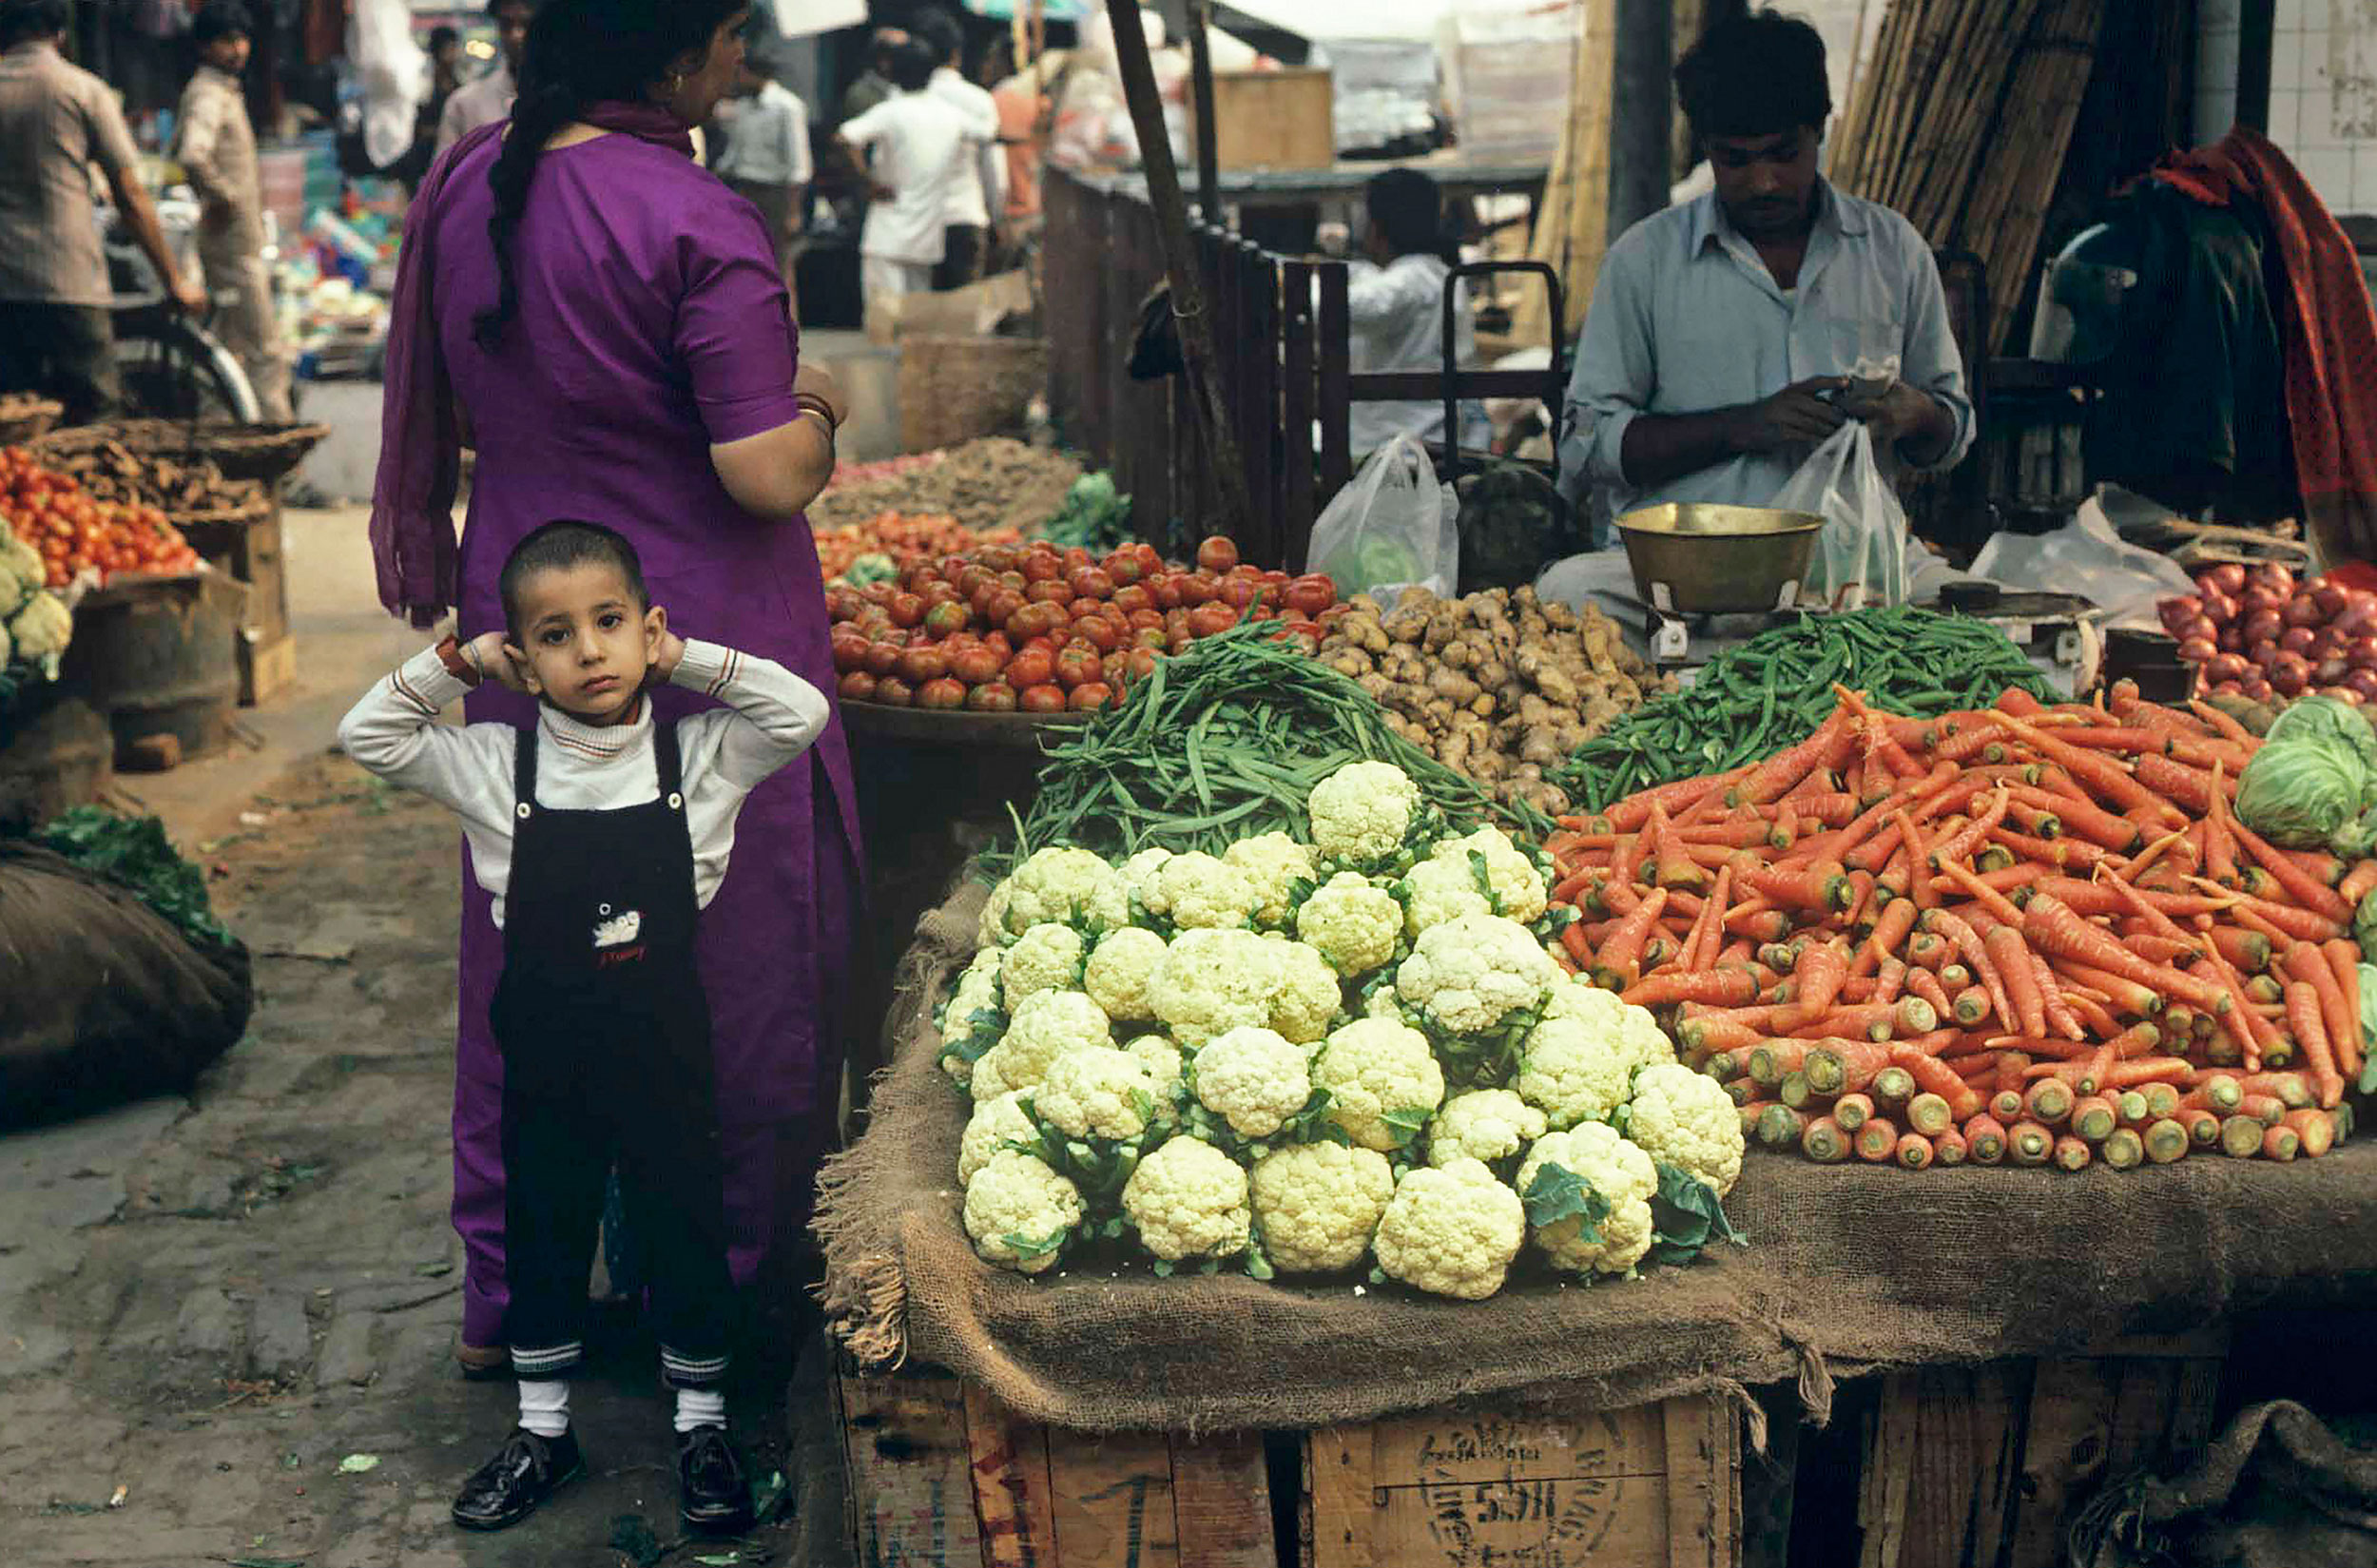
[(600, 835)]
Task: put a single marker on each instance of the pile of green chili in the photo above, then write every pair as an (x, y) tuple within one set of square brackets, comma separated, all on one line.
[(1774, 691), (1223, 742)]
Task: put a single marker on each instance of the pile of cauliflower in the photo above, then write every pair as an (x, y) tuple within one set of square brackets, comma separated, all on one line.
[(1300, 1055), (35, 625)]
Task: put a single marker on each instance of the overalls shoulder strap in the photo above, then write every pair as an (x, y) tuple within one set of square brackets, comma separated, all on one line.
[(666, 763), (524, 771)]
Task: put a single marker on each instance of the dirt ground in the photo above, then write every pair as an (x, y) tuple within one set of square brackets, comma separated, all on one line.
[(226, 1321)]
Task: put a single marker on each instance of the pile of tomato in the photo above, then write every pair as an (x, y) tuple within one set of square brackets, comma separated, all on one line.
[(1039, 629), (907, 538), (57, 517)]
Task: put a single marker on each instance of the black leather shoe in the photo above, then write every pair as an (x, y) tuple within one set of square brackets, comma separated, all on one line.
[(510, 1487), (714, 1491)]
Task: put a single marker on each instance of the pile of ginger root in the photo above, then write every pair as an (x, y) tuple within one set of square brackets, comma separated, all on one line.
[(1501, 685)]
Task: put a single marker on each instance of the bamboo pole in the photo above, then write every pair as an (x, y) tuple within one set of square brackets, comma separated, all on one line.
[(1180, 264), (1201, 98)]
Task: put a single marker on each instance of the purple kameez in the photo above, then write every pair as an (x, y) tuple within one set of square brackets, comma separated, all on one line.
[(653, 323)]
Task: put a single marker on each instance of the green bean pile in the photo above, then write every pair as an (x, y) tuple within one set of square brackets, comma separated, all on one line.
[(1223, 742), (1774, 691)]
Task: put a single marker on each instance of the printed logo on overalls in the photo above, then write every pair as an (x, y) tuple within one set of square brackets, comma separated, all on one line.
[(614, 934)]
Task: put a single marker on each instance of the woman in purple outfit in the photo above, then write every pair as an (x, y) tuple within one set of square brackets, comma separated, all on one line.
[(603, 322)]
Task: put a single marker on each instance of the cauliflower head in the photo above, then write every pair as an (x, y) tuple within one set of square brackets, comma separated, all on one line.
[(987, 1081), (993, 1123), (1043, 1027), (1383, 1003), (1377, 1068), (1195, 891), (22, 572), (1484, 1124), (1351, 922), (1138, 872), (1318, 1203), (1308, 995), (1437, 892), (1120, 969), (1641, 1041), (1361, 813), (991, 929), (1211, 981), (1018, 1211), (1572, 1070), (42, 630), (1273, 862), (1097, 1091), (1686, 1119), (1253, 1079), (1471, 973), (1189, 1200), (1624, 1177), (1046, 958), (1162, 1059), (1516, 884), (1063, 884), (977, 992), (1451, 1232)]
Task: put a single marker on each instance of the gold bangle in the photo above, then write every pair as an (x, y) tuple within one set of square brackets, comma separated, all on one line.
[(820, 416)]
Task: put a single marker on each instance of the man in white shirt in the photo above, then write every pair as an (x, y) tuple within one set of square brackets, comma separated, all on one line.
[(981, 188), (489, 99), (915, 146), (1395, 310), (767, 158)]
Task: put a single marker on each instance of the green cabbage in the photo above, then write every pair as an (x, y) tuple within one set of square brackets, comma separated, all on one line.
[(2365, 931), (2304, 793), (2368, 1024), (2333, 723)]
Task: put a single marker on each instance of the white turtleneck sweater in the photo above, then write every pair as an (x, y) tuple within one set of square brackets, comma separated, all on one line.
[(772, 717)]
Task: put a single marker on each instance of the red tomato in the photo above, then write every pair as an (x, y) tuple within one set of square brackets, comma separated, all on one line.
[(973, 577), (919, 665), (1141, 619), (1089, 696), (1015, 580), (1164, 586), (1303, 634), (1132, 596), (999, 557), (1178, 642), (1090, 583), (1049, 590), (882, 657), (976, 666), (1199, 588), (991, 697), (1000, 644), (946, 619), (1041, 699), (1310, 593), (879, 594), (1033, 621), (1041, 566), (1211, 620), (858, 686), (1217, 555), (842, 603), (1335, 613), (914, 577), (894, 691), (1124, 567), (1237, 593), (1076, 558), (1031, 667), (1002, 608), (1138, 665), (1100, 632), (943, 693), (1151, 561), (938, 592), (907, 610), (1079, 664), (1154, 637)]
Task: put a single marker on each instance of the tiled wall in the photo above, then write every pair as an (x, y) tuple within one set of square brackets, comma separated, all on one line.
[(2323, 90)]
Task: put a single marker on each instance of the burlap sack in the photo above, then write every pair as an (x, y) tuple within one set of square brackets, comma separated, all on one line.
[(1848, 1271)]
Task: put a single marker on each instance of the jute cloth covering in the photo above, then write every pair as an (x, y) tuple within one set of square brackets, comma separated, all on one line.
[(1849, 1270)]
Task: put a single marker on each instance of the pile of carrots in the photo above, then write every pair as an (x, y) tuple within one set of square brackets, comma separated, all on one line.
[(2025, 935)]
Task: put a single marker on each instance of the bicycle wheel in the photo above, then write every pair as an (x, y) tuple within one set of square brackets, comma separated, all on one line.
[(173, 370)]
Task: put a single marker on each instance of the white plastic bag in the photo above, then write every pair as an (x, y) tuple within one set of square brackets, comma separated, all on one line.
[(2085, 556), (1861, 557), (1393, 527)]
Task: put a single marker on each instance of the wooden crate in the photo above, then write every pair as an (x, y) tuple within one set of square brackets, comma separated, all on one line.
[(1273, 119), (250, 550), (267, 666), (1655, 1486), (1978, 1466), (942, 1475)]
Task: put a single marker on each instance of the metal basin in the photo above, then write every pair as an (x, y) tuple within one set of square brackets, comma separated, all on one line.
[(1692, 558)]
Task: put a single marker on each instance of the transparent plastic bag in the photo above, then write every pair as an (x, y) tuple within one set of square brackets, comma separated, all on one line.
[(1861, 557), (1393, 527), (2085, 556)]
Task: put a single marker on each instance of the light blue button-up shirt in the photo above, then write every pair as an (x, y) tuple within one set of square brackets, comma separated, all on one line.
[(1687, 319)]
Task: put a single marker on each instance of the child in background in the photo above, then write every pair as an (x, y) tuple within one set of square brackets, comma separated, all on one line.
[(600, 836)]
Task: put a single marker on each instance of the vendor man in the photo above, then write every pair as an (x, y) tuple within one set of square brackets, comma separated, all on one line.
[(1723, 333)]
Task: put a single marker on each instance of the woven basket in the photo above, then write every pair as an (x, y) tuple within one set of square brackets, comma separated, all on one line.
[(254, 509), (954, 389), (240, 451), (23, 420)]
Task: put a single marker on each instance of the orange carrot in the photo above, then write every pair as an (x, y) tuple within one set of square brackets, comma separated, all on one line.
[(1619, 962), (2300, 885), (2167, 1140), (2203, 1127), (1877, 1140), (2344, 960), (2310, 1032), (1670, 864), (2357, 882), (1933, 1076), (2309, 964), (2001, 908), (2294, 1089), (2052, 928), (1969, 942), (1701, 951), (1770, 1060), (2148, 1070), (1889, 932), (1821, 969), (2093, 1117), (1852, 1110), (1775, 777), (2006, 949), (2317, 1129), (2072, 1152), (1985, 1138), (1717, 987), (2280, 1142), (2247, 951), (1826, 1141), (2049, 1100), (1914, 1151), (2137, 999)]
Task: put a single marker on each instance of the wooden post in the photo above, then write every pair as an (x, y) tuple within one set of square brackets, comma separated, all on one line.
[(1201, 93), (1171, 222), (1642, 56)]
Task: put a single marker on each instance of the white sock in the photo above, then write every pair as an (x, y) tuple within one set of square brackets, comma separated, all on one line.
[(545, 1407), (701, 1407)]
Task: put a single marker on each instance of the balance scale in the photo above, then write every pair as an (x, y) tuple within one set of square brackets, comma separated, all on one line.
[(2057, 631)]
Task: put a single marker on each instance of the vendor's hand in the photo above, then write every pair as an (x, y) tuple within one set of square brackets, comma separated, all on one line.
[(1798, 415), (665, 657), (1893, 413), (491, 651), (880, 192), (819, 382), (190, 299)]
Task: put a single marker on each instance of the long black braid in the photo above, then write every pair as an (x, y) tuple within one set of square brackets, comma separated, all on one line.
[(580, 52)]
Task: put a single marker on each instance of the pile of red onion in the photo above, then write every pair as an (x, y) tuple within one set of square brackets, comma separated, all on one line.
[(2258, 633)]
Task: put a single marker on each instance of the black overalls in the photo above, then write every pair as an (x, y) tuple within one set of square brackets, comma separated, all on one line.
[(606, 1037)]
